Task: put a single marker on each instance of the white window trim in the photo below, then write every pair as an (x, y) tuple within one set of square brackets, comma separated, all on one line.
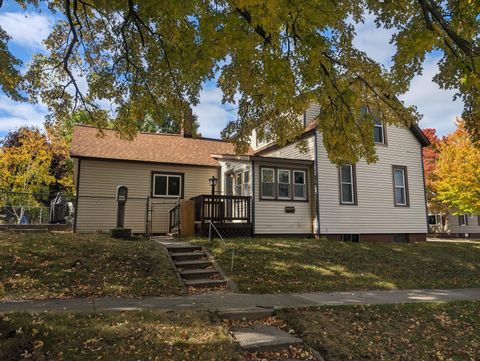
[(438, 219), (289, 184), (383, 132), (273, 182), (245, 185), (404, 187), (464, 218), (304, 185), (166, 189), (238, 185), (350, 184)]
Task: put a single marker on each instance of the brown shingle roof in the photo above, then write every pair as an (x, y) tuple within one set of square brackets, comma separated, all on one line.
[(159, 148)]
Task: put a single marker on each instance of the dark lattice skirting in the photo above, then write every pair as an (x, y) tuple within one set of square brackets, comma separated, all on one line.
[(227, 230)]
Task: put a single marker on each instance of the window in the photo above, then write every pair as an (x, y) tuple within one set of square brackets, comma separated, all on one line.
[(246, 183), (299, 185), (378, 127), (347, 188), (167, 185), (435, 219), (238, 184), (463, 219), (268, 183), (400, 186), (283, 184), (378, 131), (478, 220)]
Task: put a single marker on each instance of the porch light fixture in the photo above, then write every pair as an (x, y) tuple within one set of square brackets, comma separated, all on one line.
[(213, 182)]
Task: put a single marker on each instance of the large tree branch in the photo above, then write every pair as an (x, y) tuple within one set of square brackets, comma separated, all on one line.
[(466, 46), (245, 14)]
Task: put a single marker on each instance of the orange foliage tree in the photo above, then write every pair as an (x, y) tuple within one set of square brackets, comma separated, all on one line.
[(456, 178), (430, 159)]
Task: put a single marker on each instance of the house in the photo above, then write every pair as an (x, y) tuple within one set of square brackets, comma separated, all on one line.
[(273, 189), (461, 225)]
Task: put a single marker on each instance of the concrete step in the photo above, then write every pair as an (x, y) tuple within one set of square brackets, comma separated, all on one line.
[(198, 273), (204, 283), (193, 264), (182, 247), (185, 256), (247, 315), (165, 237), (264, 338)]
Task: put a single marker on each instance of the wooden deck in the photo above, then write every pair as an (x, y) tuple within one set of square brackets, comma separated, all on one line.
[(231, 215)]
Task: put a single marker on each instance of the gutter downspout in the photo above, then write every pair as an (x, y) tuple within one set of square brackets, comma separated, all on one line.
[(317, 187), (253, 198), (77, 196)]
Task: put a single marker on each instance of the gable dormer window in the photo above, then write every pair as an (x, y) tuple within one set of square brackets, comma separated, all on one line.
[(378, 126), (378, 131)]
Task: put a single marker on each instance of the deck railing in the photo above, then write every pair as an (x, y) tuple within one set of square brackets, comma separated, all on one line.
[(222, 208), (174, 219)]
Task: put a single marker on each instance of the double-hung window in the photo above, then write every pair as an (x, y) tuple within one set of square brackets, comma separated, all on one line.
[(463, 219), (347, 184), (400, 186), (268, 183), (238, 184), (378, 131), (246, 183), (284, 186), (167, 185), (435, 219), (299, 185), (378, 126)]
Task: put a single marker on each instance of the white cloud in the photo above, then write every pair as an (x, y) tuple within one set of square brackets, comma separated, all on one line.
[(26, 29), (15, 114), (212, 114), (374, 41), (437, 105)]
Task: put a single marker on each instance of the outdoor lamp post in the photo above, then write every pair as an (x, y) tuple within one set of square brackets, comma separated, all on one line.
[(213, 183)]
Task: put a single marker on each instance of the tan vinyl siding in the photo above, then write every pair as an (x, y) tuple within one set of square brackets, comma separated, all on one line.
[(293, 151), (270, 216), (375, 212), (98, 183), (472, 228)]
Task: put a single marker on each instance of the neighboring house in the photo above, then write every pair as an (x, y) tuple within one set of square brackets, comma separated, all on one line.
[(462, 225), (273, 190)]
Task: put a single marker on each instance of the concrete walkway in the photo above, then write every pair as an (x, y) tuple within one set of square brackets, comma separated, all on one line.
[(235, 301)]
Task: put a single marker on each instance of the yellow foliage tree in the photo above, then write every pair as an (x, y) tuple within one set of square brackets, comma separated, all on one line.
[(458, 173), (25, 170)]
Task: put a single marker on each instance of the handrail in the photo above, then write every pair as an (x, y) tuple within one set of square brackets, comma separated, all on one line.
[(174, 218), (210, 226), (222, 208)]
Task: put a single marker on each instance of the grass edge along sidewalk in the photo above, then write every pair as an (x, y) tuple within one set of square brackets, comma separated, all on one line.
[(286, 265), (45, 266)]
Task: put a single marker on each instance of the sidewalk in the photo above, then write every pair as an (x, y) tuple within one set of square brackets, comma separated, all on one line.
[(222, 302)]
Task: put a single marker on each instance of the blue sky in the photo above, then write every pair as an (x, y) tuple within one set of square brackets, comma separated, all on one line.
[(28, 29)]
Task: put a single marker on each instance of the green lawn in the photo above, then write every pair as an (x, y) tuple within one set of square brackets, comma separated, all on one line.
[(114, 336), (303, 265), (41, 266), (411, 332)]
